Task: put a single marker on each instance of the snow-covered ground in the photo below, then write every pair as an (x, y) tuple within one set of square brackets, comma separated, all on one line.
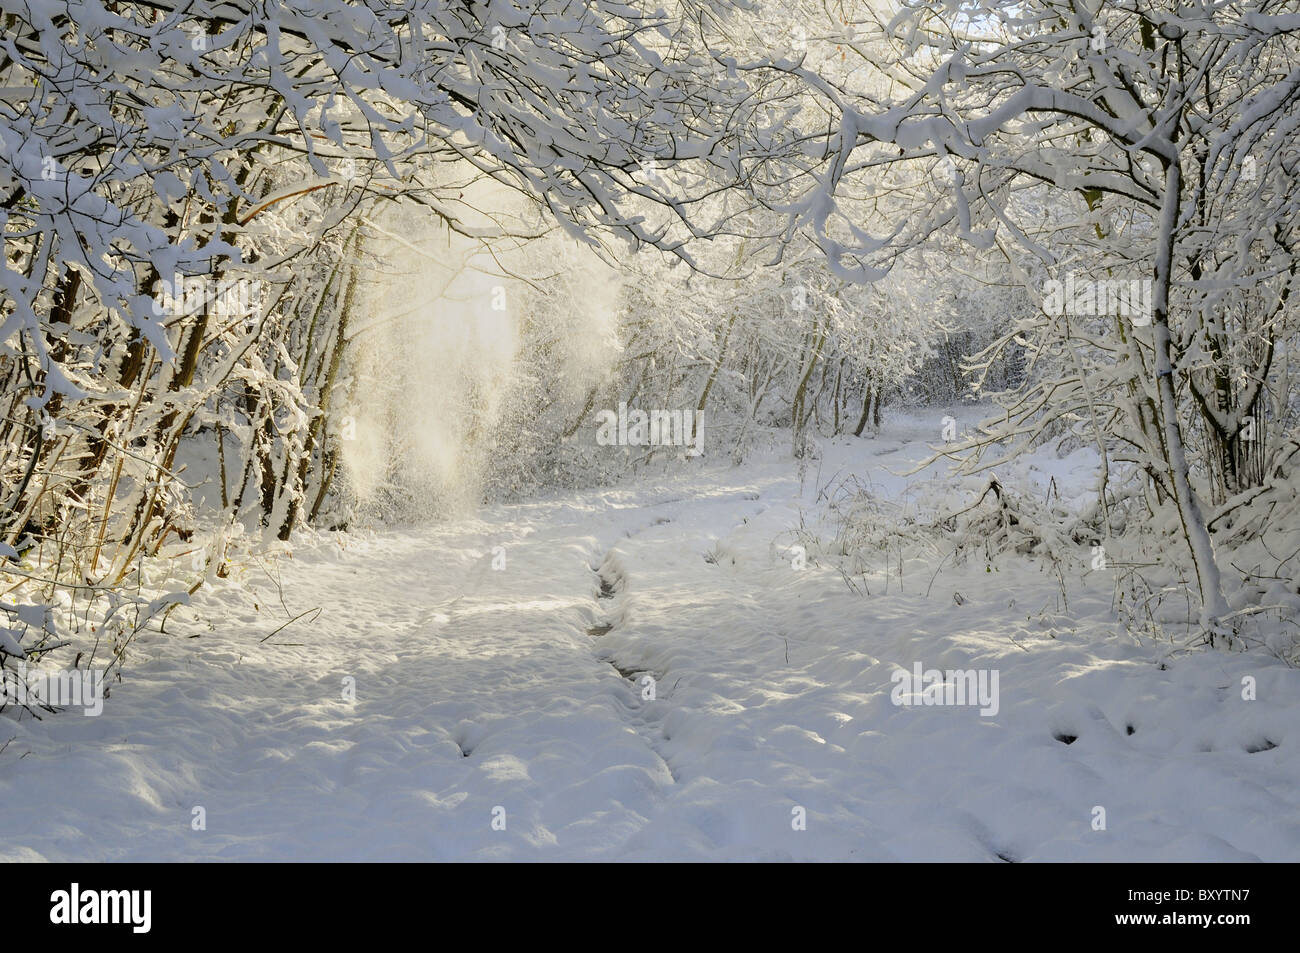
[(503, 712)]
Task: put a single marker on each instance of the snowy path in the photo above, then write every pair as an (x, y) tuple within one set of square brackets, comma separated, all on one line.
[(479, 688)]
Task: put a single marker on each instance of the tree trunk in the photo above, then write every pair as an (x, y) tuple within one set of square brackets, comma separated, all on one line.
[(1213, 606)]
